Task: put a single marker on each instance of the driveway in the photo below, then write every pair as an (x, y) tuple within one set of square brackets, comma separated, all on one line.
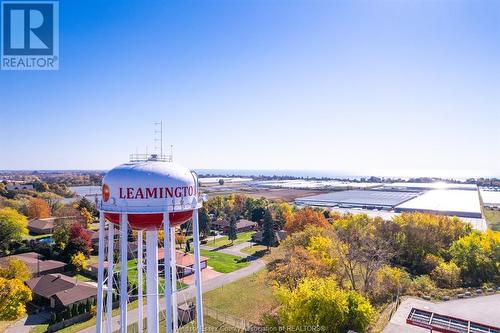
[(25, 324)]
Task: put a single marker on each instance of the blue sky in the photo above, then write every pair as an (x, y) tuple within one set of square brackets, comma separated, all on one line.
[(389, 87)]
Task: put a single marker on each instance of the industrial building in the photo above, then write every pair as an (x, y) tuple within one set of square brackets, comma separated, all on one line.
[(445, 202), (490, 198), (358, 198), (429, 186)]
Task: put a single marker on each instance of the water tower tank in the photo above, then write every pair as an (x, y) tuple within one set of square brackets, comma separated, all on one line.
[(146, 189)]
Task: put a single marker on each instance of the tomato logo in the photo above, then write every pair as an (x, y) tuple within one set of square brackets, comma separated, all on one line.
[(105, 192)]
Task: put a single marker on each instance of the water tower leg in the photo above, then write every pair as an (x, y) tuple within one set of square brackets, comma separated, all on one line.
[(100, 274), (152, 280), (174, 279), (123, 271), (197, 272), (140, 279), (168, 276), (109, 298)]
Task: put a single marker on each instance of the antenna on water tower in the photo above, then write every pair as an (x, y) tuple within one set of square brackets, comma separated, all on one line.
[(159, 138)]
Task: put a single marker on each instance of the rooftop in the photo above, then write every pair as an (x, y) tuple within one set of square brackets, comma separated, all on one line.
[(446, 202), (34, 262), (358, 198)]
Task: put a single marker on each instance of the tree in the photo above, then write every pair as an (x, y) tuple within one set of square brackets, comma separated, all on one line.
[(79, 261), (38, 208), (321, 304), (15, 269), (478, 257), (61, 233), (86, 216), (14, 295), (86, 204), (13, 226), (389, 283), (204, 222), (295, 266), (268, 234), (446, 275), (232, 234), (304, 217), (363, 248), (284, 213), (422, 234), (79, 241)]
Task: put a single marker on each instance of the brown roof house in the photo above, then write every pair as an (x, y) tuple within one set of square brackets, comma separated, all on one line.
[(184, 262), (59, 291), (36, 264), (278, 236), (242, 225), (44, 226)]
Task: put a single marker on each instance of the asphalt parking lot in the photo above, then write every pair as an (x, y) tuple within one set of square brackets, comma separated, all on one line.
[(482, 309)]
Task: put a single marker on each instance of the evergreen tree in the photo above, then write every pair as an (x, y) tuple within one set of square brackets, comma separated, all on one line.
[(232, 235), (204, 220), (268, 235)]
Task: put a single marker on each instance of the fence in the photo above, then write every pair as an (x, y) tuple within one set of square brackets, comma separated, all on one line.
[(238, 323), (76, 319)]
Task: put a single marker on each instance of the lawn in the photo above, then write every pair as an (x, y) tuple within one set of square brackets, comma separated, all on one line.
[(30, 237), (83, 325), (248, 298), (222, 262), (493, 218), (255, 250), (225, 242), (211, 325), (132, 276)]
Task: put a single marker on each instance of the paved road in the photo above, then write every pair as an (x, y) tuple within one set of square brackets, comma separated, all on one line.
[(234, 250), (189, 293)]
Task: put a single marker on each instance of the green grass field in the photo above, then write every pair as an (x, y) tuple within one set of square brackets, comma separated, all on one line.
[(255, 250), (493, 218), (248, 298), (222, 262), (225, 242)]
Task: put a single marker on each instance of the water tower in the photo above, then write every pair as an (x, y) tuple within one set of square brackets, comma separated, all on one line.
[(148, 194)]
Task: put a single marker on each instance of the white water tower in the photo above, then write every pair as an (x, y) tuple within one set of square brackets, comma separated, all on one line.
[(148, 194)]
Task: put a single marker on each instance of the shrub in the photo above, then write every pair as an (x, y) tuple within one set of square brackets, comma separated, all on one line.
[(446, 275), (389, 282), (422, 285)]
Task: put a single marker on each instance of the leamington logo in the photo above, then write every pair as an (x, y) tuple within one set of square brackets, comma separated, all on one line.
[(156, 192), (29, 35)]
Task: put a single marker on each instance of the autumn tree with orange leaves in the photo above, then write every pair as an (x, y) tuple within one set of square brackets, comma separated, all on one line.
[(305, 217), (38, 208)]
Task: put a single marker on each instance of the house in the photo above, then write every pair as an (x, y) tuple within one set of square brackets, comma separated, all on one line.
[(278, 236), (242, 225), (36, 265), (44, 226), (18, 187), (41, 226), (184, 262), (59, 291)]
